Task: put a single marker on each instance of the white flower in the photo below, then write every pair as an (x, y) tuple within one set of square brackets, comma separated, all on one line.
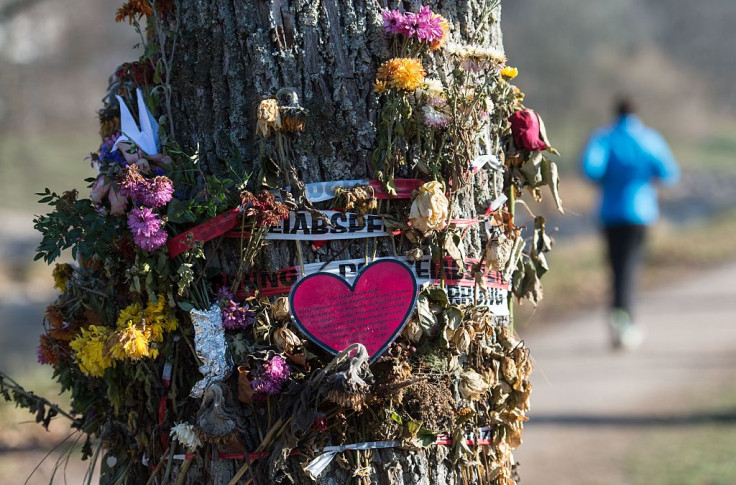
[(184, 434), (435, 119), (433, 87)]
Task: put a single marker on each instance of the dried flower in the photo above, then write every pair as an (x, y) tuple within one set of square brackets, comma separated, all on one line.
[(269, 117), (158, 192), (435, 119), (445, 26), (133, 10), (477, 59), (280, 308), (271, 376), (527, 129), (46, 351), (185, 434), (430, 208), (264, 207), (472, 385), (286, 340), (61, 274)]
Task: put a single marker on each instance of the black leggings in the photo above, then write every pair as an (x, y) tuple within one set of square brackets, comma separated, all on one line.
[(625, 244)]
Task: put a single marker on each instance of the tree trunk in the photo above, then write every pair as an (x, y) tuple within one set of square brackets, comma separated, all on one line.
[(231, 54)]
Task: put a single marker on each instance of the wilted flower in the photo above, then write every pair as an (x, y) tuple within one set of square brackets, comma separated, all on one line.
[(184, 433), (286, 340), (429, 210), (264, 207), (269, 117), (61, 275), (435, 119), (472, 385), (280, 308), (271, 376)]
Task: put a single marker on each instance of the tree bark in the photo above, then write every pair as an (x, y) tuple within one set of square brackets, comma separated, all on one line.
[(232, 53)]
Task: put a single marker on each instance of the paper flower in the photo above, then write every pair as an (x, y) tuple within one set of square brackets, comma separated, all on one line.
[(430, 208)]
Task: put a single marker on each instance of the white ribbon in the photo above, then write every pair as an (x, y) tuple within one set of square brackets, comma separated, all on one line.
[(318, 465)]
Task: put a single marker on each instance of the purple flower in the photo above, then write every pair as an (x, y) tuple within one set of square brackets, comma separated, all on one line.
[(133, 185), (271, 377), (236, 317), (429, 26), (147, 229), (410, 25), (158, 192), (393, 21)]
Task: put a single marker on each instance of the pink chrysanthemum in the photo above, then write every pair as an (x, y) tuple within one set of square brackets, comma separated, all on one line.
[(429, 26), (158, 192), (133, 185), (147, 229), (393, 21), (410, 25)]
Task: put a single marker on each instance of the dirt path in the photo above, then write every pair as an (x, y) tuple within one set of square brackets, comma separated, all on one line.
[(591, 405)]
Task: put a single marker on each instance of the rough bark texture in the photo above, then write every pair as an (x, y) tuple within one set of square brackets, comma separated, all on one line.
[(231, 53)]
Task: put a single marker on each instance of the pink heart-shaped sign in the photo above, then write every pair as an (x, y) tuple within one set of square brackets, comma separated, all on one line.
[(372, 311)]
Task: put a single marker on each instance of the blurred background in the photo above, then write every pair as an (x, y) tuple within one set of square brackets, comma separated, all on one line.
[(676, 57)]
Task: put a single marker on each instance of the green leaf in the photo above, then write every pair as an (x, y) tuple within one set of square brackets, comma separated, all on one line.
[(396, 418)]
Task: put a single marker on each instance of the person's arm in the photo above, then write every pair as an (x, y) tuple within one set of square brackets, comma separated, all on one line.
[(595, 158), (666, 169)]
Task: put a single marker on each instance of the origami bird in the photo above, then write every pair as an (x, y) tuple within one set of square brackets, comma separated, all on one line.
[(146, 137)]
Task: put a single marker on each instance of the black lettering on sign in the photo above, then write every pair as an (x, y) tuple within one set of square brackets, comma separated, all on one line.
[(288, 277), (300, 224), (375, 223), (356, 223), (319, 225), (336, 219), (347, 269)]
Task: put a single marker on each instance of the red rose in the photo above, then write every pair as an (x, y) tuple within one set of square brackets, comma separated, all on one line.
[(525, 128)]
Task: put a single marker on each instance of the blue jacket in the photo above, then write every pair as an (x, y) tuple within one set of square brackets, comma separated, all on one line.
[(625, 159)]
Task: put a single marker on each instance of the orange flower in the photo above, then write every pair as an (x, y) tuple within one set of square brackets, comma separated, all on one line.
[(133, 9), (437, 44), (402, 73)]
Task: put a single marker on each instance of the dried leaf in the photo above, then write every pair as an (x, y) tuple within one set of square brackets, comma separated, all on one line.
[(552, 180)]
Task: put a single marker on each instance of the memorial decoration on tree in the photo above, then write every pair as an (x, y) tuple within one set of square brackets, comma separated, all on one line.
[(180, 348)]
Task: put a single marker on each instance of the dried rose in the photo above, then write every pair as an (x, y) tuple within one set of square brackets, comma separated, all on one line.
[(413, 331), (280, 308), (286, 340), (269, 117), (430, 208), (472, 385)]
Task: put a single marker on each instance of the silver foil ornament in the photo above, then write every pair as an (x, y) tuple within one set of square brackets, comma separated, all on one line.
[(209, 341)]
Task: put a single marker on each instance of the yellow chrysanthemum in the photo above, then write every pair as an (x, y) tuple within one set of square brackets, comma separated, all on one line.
[(437, 44), (91, 350), (160, 314), (155, 332), (379, 86), (130, 314), (130, 343), (402, 73), (508, 73), (61, 275)]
